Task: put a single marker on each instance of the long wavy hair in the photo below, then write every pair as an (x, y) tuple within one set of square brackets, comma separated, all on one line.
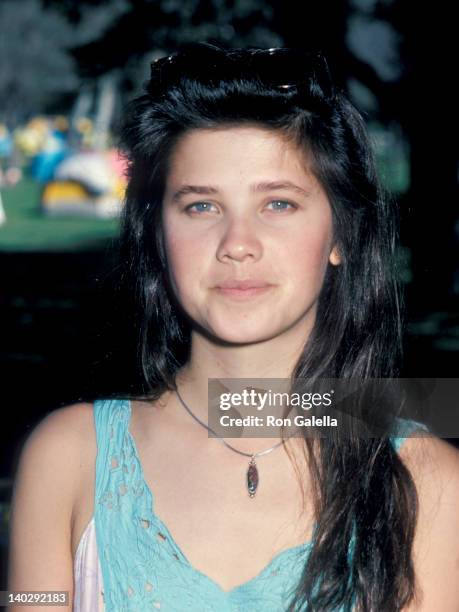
[(363, 493)]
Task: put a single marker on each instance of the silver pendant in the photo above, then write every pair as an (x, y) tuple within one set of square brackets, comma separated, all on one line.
[(252, 477)]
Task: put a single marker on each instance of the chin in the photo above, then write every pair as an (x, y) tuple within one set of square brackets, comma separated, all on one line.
[(241, 334)]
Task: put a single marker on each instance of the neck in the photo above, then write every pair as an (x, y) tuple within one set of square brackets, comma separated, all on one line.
[(270, 359)]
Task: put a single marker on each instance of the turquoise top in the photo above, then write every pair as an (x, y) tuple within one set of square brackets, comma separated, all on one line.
[(142, 566)]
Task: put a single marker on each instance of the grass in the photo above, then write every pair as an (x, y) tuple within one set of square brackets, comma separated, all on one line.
[(27, 229)]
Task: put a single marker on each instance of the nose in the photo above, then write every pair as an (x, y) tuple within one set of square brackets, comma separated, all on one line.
[(239, 242)]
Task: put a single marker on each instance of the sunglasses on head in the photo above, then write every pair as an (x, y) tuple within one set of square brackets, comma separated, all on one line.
[(282, 68)]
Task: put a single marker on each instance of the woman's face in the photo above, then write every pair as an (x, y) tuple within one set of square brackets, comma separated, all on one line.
[(227, 219)]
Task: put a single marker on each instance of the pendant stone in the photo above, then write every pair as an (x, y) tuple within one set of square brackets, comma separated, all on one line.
[(252, 477)]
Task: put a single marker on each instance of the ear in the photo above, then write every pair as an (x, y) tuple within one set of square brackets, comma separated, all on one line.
[(335, 257)]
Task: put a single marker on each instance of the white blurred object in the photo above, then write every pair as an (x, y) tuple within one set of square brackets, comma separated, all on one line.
[(91, 169), (2, 212)]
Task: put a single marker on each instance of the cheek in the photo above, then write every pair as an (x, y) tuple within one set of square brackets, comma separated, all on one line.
[(185, 258), (308, 254)]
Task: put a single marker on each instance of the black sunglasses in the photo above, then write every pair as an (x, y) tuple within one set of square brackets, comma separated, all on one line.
[(283, 68)]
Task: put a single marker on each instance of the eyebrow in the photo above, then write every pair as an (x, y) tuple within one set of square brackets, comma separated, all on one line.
[(257, 187)]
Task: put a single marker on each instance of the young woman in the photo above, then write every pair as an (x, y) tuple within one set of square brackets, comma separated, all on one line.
[(257, 243)]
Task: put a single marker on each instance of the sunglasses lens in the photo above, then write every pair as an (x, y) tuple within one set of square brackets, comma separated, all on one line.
[(286, 68)]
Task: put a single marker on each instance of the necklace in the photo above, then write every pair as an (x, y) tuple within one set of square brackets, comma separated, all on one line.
[(252, 476)]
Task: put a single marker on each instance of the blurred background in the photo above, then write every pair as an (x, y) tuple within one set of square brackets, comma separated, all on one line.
[(67, 68)]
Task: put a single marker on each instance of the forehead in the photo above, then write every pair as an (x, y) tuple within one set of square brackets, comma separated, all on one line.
[(241, 150)]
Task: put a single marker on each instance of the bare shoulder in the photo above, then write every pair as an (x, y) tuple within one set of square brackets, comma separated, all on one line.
[(58, 439), (45, 484), (63, 445), (434, 465)]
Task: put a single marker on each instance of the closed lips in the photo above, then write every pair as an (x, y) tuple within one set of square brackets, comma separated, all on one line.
[(246, 284)]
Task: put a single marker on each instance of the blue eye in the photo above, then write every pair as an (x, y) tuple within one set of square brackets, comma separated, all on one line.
[(281, 202), (207, 204)]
